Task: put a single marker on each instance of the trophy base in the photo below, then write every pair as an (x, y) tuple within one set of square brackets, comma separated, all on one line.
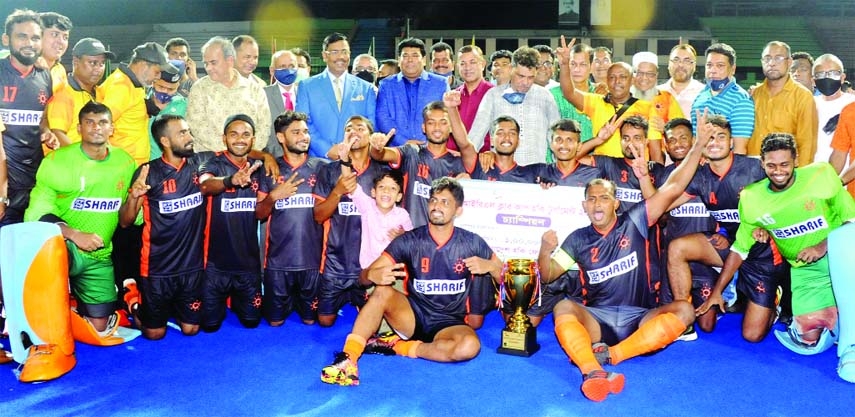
[(519, 344)]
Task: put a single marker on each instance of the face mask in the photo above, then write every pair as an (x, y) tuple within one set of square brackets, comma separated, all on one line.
[(302, 74), (827, 86), (718, 85), (514, 98), (163, 97), (446, 75), (285, 76), (366, 75), (381, 79)]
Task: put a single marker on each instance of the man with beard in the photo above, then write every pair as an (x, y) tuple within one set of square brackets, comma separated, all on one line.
[(232, 267), (172, 261), (801, 69), (798, 208), (724, 96), (29, 90), (718, 184), (86, 214), (782, 105), (333, 96), (617, 314), (645, 72), (829, 75), (470, 63), (429, 319), (124, 93), (292, 249), (54, 44), (89, 58), (682, 86), (529, 104), (602, 109), (340, 269)]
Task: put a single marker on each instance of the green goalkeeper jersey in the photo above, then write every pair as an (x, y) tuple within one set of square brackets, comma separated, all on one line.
[(798, 217), (85, 193)]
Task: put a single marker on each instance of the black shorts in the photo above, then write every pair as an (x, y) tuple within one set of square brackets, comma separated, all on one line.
[(482, 295), (286, 290), (759, 276), (703, 281), (617, 322), (428, 324), (243, 287), (336, 292), (178, 295), (565, 286)]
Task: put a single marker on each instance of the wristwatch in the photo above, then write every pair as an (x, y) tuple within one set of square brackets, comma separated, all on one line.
[(4, 200)]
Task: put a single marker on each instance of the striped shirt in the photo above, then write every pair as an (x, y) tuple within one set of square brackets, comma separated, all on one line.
[(534, 115), (733, 102)]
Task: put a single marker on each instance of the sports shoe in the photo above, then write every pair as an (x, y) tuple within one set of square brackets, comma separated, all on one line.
[(382, 344), (601, 351), (342, 371), (846, 365), (689, 334), (112, 326), (132, 294), (597, 385)]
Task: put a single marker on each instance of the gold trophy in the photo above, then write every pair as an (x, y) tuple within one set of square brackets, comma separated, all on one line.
[(521, 277)]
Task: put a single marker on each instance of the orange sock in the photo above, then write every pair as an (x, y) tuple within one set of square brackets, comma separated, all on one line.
[(657, 333), (353, 346), (576, 342), (407, 348)]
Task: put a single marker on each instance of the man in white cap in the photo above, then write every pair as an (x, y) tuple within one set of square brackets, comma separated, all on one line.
[(645, 72)]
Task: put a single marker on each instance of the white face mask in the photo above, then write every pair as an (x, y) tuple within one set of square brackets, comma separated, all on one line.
[(302, 74)]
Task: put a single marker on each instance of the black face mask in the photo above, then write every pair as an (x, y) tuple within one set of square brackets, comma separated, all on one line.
[(381, 79), (827, 86), (366, 75)]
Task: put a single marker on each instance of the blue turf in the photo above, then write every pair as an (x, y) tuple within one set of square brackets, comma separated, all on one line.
[(275, 371)]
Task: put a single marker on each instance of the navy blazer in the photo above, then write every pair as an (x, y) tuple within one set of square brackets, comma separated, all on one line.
[(393, 106), (316, 98)]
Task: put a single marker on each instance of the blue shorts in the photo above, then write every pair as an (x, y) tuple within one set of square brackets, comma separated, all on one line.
[(336, 292), (243, 287), (617, 322), (178, 295), (286, 290)]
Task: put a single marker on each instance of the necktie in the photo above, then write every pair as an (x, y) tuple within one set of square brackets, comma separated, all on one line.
[(288, 104), (337, 88)]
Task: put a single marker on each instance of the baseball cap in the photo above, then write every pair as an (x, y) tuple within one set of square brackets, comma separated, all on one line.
[(171, 72), (239, 116), (642, 57), (151, 52), (91, 47)]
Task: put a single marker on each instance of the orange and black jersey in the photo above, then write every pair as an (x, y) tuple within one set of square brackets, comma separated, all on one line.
[(615, 270), (294, 239), (420, 167), (437, 278), (517, 173), (22, 106), (231, 230), (343, 231), (174, 215), (619, 171), (720, 193), (579, 177)]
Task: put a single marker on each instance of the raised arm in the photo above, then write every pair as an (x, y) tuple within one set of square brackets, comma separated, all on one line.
[(567, 89)]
